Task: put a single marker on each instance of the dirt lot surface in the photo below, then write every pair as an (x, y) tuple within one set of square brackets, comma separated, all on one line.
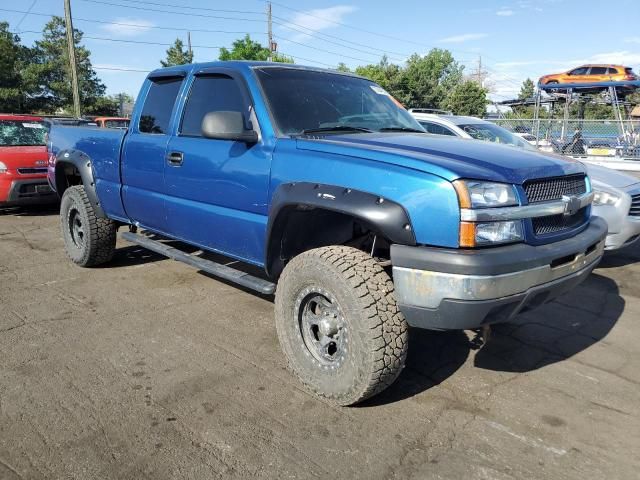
[(147, 369)]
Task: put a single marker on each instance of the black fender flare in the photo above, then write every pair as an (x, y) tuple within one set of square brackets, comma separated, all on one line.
[(82, 164), (385, 216)]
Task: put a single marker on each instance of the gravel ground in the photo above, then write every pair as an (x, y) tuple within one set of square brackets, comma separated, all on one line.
[(148, 369)]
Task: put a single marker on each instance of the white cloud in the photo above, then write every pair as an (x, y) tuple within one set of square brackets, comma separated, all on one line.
[(128, 27), (632, 40), (622, 57), (465, 37), (505, 12), (320, 19)]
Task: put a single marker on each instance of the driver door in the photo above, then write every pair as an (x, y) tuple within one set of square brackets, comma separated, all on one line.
[(217, 189)]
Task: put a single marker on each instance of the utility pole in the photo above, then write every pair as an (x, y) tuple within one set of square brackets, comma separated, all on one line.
[(72, 58), (189, 46), (480, 74), (270, 31)]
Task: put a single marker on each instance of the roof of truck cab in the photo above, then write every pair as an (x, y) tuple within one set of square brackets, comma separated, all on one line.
[(238, 65)]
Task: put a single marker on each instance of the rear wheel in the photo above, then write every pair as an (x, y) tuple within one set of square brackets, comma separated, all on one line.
[(339, 325), (88, 240)]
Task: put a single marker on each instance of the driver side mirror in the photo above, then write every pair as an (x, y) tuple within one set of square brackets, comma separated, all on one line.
[(227, 126)]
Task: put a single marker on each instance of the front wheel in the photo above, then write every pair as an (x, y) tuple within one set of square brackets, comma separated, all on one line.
[(339, 325), (88, 239)]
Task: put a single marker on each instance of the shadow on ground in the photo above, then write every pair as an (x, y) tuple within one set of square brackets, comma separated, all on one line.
[(556, 331), (32, 210)]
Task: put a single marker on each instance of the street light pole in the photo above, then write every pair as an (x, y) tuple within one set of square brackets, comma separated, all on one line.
[(72, 58)]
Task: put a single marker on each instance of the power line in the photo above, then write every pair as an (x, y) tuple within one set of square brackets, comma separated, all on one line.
[(142, 42), (188, 7), (26, 13), (146, 9), (123, 69), (126, 24), (323, 50)]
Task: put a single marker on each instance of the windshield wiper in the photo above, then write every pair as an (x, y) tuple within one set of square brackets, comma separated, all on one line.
[(401, 129), (336, 128)]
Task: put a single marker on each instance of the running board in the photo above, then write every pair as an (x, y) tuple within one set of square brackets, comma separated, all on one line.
[(217, 269)]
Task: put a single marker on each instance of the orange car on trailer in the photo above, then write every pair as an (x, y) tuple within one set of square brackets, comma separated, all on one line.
[(591, 74)]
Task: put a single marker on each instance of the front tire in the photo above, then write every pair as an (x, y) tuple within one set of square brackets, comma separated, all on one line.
[(88, 239), (339, 325)]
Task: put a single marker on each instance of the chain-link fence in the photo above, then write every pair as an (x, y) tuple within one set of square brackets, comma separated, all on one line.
[(580, 138)]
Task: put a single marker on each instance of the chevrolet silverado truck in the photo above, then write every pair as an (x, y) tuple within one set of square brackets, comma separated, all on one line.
[(362, 223)]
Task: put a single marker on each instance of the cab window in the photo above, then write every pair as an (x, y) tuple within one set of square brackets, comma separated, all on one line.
[(158, 106), (214, 93)]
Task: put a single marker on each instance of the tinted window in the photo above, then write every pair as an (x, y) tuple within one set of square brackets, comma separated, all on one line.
[(598, 71), (612, 71), (436, 129), (579, 71), (116, 123), (210, 94), (15, 133), (156, 112), (306, 100)]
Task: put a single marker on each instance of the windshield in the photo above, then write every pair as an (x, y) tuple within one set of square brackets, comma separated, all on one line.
[(19, 133), (493, 133), (302, 100)]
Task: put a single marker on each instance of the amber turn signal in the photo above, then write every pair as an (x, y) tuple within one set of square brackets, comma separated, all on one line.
[(467, 234)]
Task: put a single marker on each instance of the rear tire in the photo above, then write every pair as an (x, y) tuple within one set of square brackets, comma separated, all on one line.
[(339, 325), (88, 239)]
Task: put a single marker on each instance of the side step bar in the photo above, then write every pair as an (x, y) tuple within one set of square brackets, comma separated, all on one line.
[(222, 271)]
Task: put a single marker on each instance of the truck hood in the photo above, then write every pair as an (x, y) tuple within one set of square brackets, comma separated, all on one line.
[(24, 157), (449, 158)]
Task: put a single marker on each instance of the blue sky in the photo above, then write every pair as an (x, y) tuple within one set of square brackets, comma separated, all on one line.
[(516, 39)]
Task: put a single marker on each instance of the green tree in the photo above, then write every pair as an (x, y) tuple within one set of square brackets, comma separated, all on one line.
[(467, 98), (177, 55), (12, 58), (47, 75), (527, 90), (427, 79), (342, 67), (247, 49)]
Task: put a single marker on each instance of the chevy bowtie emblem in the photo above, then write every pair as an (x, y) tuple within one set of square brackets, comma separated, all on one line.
[(40, 163), (571, 205)]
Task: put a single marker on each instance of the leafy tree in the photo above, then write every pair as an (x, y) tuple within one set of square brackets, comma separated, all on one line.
[(427, 79), (527, 90), (467, 98), (177, 55), (247, 49), (47, 75), (342, 67), (13, 56)]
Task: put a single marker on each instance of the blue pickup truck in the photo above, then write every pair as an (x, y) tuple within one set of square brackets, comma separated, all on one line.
[(362, 223)]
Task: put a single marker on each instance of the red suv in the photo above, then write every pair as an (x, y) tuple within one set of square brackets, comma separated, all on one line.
[(23, 161)]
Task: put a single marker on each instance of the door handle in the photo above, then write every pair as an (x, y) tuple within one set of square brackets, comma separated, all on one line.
[(175, 159)]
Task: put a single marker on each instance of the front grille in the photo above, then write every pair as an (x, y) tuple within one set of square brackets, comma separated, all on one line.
[(635, 205), (31, 171), (546, 189), (557, 223)]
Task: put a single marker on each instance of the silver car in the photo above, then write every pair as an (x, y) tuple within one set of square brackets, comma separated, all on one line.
[(617, 194)]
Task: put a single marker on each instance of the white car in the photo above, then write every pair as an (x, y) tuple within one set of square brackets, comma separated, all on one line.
[(617, 194)]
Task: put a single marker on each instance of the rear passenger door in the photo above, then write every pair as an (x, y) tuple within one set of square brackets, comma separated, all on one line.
[(598, 74), (217, 191), (144, 154)]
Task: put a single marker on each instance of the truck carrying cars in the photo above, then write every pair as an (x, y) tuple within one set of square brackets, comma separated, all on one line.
[(363, 224)]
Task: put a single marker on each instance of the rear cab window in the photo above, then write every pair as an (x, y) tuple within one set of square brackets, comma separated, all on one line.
[(210, 93), (158, 105), (436, 129)]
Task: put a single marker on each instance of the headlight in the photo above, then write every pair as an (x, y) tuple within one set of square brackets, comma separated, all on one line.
[(474, 194), (3, 168), (490, 233), (605, 198)]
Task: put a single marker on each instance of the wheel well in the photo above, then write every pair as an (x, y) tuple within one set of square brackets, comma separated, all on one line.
[(67, 175), (298, 229)]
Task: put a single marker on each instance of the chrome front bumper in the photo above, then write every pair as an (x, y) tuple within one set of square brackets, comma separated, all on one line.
[(440, 299)]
